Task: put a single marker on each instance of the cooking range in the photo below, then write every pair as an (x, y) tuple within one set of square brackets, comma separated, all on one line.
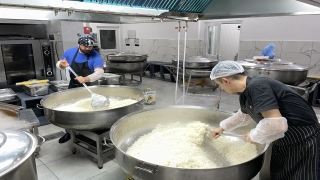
[(197, 68), (127, 62), (94, 143), (90, 129)]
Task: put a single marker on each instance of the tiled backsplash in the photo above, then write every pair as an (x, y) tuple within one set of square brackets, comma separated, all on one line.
[(164, 49), (305, 53)]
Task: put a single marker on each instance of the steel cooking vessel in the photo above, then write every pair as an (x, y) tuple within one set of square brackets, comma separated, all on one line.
[(129, 128), (196, 62), (196, 73), (16, 155), (127, 57), (93, 120), (131, 67), (283, 71)]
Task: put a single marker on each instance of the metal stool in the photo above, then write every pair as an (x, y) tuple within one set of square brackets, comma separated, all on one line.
[(90, 142)]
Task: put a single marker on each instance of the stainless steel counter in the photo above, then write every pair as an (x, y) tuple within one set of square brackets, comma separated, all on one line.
[(29, 121)]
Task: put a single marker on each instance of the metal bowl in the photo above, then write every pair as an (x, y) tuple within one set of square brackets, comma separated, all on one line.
[(92, 120), (129, 128)]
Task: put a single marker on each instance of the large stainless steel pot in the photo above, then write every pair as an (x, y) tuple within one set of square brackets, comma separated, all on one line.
[(129, 128), (93, 120), (129, 67), (283, 71), (195, 73), (16, 155), (196, 62), (127, 57)]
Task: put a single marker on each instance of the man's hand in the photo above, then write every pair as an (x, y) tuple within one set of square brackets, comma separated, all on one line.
[(215, 132), (81, 79), (247, 136), (64, 63)]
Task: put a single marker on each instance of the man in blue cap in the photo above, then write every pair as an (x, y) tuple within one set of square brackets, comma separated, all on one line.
[(87, 64)]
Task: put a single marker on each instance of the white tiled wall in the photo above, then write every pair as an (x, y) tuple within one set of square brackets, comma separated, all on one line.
[(305, 53), (164, 49)]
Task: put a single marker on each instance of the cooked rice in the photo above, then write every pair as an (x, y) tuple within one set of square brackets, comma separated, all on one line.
[(181, 145)]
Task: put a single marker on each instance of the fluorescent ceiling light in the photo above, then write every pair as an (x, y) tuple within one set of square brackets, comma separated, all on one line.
[(81, 6), (12, 13)]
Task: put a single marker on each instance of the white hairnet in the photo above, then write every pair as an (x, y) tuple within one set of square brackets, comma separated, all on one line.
[(225, 69)]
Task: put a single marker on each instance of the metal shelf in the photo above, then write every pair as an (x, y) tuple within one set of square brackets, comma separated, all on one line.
[(158, 67)]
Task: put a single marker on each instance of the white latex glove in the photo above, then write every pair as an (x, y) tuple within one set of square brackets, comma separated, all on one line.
[(98, 73), (58, 65), (63, 62), (236, 120), (269, 130)]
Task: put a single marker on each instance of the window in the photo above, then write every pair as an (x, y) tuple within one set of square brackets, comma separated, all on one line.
[(108, 39)]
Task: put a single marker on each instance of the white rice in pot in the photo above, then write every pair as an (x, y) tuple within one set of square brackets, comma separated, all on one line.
[(182, 146)]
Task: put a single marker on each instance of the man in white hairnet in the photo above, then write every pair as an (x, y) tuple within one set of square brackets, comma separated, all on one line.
[(283, 118)]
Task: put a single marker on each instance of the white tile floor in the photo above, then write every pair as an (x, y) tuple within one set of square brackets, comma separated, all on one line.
[(56, 162)]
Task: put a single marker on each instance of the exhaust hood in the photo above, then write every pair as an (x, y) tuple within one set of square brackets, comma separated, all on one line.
[(224, 9), (311, 2), (137, 11)]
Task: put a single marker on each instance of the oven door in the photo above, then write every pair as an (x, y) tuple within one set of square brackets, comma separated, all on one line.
[(20, 60)]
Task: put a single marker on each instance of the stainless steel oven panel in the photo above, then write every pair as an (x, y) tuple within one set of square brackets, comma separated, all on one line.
[(43, 60), (48, 59)]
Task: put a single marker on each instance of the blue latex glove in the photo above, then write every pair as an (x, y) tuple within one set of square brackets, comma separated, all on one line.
[(269, 51)]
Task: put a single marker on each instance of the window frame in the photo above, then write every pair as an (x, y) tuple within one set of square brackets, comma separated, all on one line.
[(117, 31)]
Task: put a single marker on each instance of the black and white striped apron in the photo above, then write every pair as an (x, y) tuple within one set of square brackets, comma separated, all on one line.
[(296, 155)]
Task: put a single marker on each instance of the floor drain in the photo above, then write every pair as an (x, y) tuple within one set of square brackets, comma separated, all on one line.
[(54, 135)]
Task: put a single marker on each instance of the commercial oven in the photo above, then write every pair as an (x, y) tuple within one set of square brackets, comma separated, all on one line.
[(24, 59)]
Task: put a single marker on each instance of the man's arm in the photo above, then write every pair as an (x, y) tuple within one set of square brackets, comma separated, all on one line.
[(236, 120), (62, 64), (269, 129), (98, 73)]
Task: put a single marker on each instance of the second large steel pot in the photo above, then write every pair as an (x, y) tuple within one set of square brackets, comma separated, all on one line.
[(196, 62), (285, 72), (127, 57), (129, 67), (129, 128), (195, 73), (17, 160), (92, 120)]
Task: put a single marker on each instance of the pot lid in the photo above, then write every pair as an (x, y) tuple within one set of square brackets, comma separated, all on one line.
[(197, 59), (3, 139), (272, 65), (15, 147), (127, 54)]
